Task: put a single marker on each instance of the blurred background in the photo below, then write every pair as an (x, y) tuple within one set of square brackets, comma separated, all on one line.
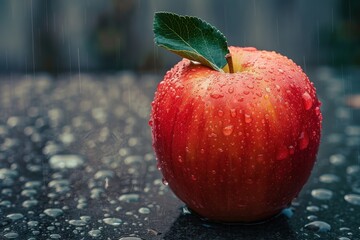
[(111, 35)]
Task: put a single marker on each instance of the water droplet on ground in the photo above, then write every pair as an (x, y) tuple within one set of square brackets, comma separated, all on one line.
[(144, 210), (69, 161), (322, 194), (53, 212), (112, 221), (352, 199), (60, 185), (103, 174), (15, 216), (55, 236), (133, 159), (312, 208), (30, 203), (288, 212), (318, 226), (33, 224), (5, 203), (353, 170), (329, 178), (77, 222), (96, 193), (32, 184), (129, 197), (130, 238), (312, 217), (337, 159), (6, 173), (95, 233), (11, 235)]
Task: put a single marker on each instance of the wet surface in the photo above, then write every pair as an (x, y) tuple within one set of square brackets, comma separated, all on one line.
[(76, 162)]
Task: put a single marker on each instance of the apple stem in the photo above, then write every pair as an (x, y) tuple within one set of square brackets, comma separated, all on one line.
[(230, 62)]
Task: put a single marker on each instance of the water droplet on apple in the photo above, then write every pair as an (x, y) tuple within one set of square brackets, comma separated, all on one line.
[(216, 95), (307, 100), (233, 112), (277, 88), (248, 118), (318, 226), (193, 177), (158, 166), (180, 86), (163, 180), (180, 159), (291, 150), (231, 89), (322, 194), (280, 70), (250, 85), (228, 130), (317, 111), (214, 135), (260, 157), (267, 89), (220, 113), (303, 140), (202, 151), (282, 153)]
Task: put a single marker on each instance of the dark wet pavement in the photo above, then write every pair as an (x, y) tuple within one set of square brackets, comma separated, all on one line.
[(76, 162)]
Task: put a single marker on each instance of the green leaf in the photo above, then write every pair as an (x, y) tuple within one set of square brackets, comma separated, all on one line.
[(192, 38)]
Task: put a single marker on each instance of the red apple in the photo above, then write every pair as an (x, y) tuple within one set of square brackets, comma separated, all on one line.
[(236, 135), (239, 146)]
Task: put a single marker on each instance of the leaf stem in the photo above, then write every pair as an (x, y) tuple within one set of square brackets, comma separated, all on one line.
[(230, 62)]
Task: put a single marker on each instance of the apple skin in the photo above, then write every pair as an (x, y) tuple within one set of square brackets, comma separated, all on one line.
[(236, 147)]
